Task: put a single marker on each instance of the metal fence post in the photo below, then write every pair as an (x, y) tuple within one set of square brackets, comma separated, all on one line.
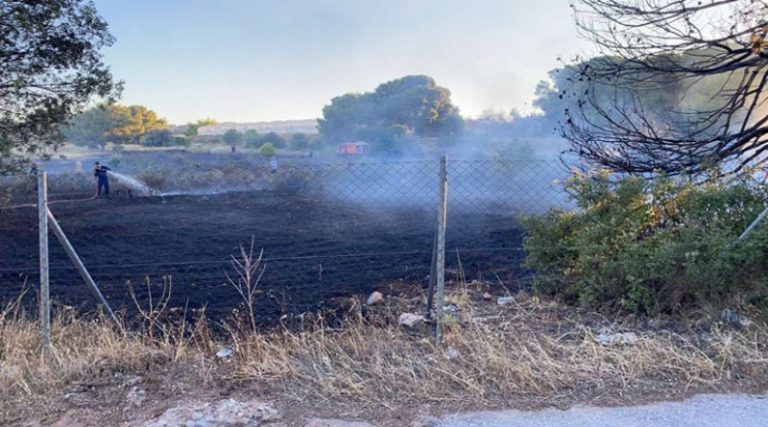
[(753, 225), (440, 258), (42, 217), (70, 250)]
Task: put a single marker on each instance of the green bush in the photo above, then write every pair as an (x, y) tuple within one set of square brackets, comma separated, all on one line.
[(651, 246), (267, 150)]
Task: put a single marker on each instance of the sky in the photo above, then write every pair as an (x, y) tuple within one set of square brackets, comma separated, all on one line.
[(255, 60)]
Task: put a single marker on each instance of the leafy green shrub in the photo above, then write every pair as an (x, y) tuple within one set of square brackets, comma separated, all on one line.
[(651, 246), (267, 150)]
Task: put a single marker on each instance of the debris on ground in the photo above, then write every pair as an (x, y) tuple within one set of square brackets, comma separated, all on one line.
[(451, 308), (375, 298), (505, 300), (623, 338), (487, 296), (224, 353), (224, 413), (410, 320), (329, 422), (452, 353), (736, 319)]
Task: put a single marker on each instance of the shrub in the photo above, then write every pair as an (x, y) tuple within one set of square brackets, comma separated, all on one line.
[(267, 150), (651, 246)]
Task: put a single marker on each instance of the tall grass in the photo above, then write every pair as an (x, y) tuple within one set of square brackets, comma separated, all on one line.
[(524, 354)]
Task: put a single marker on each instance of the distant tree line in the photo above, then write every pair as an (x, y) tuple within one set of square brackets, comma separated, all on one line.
[(254, 139)]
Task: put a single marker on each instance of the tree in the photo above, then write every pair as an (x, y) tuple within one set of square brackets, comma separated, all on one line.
[(158, 138), (299, 141), (192, 128), (232, 137), (273, 138), (92, 127), (707, 60), (136, 121), (50, 67), (252, 139), (409, 105)]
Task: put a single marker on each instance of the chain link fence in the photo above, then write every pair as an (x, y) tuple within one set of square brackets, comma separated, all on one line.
[(328, 230)]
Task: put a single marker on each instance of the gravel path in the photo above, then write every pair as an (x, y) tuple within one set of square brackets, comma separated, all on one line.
[(714, 410)]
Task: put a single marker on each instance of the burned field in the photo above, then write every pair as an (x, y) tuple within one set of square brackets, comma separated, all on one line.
[(316, 250)]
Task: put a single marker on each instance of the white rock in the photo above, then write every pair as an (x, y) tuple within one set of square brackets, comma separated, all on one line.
[(505, 300), (226, 412), (487, 296), (450, 308), (135, 396), (624, 338), (736, 319), (410, 320), (224, 353), (331, 422), (452, 353), (375, 298)]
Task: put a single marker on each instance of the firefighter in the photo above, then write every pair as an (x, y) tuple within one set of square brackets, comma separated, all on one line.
[(100, 172)]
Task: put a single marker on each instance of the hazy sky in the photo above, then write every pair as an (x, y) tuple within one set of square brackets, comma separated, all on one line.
[(253, 60)]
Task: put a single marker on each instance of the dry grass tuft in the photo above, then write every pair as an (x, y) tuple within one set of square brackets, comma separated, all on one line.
[(525, 354)]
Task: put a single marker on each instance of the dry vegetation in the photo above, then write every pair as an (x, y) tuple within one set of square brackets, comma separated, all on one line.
[(525, 354)]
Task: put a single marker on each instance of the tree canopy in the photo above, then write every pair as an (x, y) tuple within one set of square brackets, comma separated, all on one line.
[(116, 123), (409, 105), (679, 87), (192, 128), (50, 68)]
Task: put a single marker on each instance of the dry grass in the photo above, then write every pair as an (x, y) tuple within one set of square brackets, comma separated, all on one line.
[(526, 354)]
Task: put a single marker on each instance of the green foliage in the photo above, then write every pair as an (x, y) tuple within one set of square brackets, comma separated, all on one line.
[(51, 68), (117, 124), (252, 139), (136, 121), (299, 141), (91, 128), (267, 150), (192, 128), (409, 105), (274, 139), (651, 246), (158, 138), (232, 137)]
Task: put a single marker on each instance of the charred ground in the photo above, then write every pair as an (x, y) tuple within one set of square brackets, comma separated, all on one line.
[(316, 249)]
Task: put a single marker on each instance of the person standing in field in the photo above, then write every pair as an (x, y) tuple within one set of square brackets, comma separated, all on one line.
[(273, 164), (100, 172)]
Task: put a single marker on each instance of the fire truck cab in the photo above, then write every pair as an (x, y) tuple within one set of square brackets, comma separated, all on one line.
[(358, 148)]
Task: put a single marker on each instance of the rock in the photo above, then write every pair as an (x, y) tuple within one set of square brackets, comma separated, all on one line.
[(505, 300), (451, 308), (226, 412), (224, 353), (487, 296), (135, 396), (375, 298), (452, 353), (624, 338), (410, 320), (736, 319), (330, 422)]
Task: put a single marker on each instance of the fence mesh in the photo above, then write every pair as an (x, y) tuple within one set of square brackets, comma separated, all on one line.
[(328, 230)]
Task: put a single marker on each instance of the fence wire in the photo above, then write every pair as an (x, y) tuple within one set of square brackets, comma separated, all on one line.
[(328, 230)]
